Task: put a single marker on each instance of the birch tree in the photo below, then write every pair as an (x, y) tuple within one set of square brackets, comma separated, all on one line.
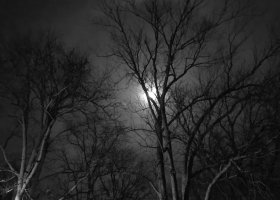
[(42, 83)]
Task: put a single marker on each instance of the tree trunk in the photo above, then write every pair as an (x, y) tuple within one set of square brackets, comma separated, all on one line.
[(173, 177), (188, 165), (34, 183), (160, 162), (185, 187), (161, 174), (174, 184), (18, 196), (34, 193)]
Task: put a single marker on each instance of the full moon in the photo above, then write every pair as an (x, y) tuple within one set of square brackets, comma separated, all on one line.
[(152, 94)]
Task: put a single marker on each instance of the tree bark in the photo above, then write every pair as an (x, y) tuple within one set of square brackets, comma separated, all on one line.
[(34, 193), (188, 167), (173, 177), (161, 174), (160, 163), (174, 184), (18, 196)]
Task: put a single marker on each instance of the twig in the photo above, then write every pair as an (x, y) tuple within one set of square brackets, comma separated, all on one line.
[(7, 161)]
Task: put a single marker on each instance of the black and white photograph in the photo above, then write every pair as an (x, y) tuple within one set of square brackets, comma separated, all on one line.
[(139, 99)]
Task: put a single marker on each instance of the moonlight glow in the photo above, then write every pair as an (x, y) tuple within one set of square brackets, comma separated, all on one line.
[(151, 92)]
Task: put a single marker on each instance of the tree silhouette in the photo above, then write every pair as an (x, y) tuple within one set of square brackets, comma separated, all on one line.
[(191, 57), (44, 83)]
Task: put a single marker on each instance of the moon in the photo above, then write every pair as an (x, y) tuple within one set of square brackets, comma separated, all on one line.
[(152, 93)]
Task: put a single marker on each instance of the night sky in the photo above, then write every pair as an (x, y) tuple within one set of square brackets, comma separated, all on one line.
[(73, 22), (70, 19)]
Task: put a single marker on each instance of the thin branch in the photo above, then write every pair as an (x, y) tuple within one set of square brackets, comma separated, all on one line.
[(7, 161)]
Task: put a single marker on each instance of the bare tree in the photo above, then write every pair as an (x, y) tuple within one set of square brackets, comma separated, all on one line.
[(163, 45), (101, 167), (43, 83), (90, 146)]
